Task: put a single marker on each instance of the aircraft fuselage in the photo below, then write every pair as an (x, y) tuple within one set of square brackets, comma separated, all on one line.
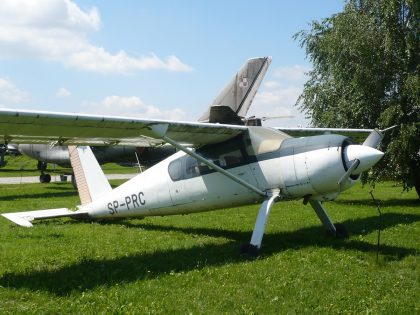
[(300, 167)]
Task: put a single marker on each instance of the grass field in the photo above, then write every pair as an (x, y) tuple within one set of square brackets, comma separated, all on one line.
[(24, 166), (191, 264)]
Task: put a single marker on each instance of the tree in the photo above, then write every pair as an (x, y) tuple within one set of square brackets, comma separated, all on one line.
[(366, 74)]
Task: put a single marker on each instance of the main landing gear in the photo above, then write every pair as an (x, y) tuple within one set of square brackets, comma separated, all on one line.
[(253, 248), (3, 149), (46, 178), (43, 178)]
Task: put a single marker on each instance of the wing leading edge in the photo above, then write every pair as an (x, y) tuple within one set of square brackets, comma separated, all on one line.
[(22, 126)]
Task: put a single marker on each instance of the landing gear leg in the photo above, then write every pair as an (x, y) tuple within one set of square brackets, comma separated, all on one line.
[(3, 149), (73, 181), (257, 235), (337, 230)]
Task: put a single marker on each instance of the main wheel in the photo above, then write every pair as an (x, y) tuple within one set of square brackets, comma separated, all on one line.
[(45, 178), (250, 250)]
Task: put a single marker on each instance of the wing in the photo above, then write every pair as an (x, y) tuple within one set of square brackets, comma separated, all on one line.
[(358, 135), (21, 126)]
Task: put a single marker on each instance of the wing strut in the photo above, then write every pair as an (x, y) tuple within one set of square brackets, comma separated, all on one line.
[(160, 130)]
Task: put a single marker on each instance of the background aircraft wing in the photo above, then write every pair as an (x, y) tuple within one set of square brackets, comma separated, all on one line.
[(21, 126)]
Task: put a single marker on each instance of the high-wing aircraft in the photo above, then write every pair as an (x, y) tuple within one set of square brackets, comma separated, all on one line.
[(230, 106), (222, 161), (217, 166)]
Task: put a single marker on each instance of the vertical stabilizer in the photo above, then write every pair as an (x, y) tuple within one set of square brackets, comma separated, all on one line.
[(236, 97), (91, 180)]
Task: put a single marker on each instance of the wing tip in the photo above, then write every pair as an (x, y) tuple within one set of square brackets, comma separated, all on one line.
[(15, 218)]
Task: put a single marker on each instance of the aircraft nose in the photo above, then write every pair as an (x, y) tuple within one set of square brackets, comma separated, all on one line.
[(366, 155)]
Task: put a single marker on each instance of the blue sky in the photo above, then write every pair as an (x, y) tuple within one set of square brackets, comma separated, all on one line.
[(151, 59)]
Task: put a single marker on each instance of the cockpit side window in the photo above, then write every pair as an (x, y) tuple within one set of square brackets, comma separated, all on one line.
[(226, 155), (230, 158), (175, 169)]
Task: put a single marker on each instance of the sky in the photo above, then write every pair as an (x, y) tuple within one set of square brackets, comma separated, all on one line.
[(152, 59)]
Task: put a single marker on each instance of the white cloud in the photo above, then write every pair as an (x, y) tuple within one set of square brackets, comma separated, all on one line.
[(57, 30), (63, 92), (10, 94), (293, 73), (132, 106), (278, 96)]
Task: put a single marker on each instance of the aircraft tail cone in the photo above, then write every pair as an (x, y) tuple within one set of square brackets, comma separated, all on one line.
[(367, 156)]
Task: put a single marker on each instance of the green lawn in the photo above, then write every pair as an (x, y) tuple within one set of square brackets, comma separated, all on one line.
[(191, 264)]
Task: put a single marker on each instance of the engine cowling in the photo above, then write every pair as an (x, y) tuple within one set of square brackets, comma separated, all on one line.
[(320, 162)]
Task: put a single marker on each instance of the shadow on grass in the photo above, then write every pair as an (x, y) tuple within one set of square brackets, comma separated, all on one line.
[(52, 194), (89, 273)]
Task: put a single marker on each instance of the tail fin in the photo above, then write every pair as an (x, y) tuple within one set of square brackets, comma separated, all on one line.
[(91, 180), (234, 100)]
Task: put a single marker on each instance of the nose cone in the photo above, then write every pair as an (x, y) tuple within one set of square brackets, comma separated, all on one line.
[(366, 155)]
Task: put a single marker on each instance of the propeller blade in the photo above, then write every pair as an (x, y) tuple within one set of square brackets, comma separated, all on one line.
[(343, 180), (373, 139)]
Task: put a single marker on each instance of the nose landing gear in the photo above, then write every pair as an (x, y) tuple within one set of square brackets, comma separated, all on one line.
[(43, 178)]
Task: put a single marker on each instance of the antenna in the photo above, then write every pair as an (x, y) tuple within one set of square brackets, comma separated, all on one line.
[(378, 207)]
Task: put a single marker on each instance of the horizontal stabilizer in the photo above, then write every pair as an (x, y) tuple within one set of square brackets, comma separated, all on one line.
[(25, 218)]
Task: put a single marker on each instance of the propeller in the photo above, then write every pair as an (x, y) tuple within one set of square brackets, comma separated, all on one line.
[(343, 180), (359, 158)]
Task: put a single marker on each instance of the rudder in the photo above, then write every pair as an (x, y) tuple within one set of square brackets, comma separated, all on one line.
[(91, 180)]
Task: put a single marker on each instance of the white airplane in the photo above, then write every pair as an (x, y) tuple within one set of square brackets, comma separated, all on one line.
[(217, 166)]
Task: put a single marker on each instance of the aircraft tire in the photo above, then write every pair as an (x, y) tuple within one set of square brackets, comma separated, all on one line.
[(341, 231), (45, 178), (250, 250)]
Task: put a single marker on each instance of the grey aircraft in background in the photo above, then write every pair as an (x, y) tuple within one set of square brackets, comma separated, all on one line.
[(229, 107)]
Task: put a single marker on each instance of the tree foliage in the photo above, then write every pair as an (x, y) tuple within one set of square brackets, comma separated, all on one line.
[(366, 74)]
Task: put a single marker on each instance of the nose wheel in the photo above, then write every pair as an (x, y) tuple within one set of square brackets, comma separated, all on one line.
[(336, 230), (341, 231)]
